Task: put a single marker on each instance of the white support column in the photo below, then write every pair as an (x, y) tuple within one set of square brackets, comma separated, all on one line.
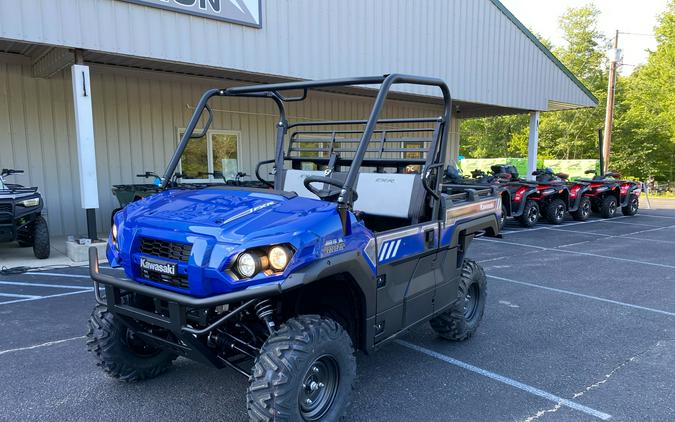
[(86, 151), (532, 144), (453, 143)]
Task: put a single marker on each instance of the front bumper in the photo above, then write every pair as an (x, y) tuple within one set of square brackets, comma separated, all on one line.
[(186, 340), (114, 284), (15, 220)]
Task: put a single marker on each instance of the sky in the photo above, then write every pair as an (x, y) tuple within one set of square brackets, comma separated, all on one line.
[(541, 16)]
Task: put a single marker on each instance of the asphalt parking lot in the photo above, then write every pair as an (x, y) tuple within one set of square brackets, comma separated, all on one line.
[(579, 325)]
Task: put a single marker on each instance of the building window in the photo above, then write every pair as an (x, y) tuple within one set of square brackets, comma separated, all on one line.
[(206, 158)]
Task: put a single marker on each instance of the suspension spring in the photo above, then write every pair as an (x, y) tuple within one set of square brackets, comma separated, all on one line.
[(265, 310)]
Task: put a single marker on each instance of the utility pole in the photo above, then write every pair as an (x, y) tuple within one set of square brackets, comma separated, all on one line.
[(609, 113)]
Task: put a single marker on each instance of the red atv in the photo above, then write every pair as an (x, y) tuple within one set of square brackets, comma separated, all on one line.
[(548, 195), (607, 193), (578, 204)]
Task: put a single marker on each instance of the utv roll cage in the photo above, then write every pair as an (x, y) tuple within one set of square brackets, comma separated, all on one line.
[(335, 147)]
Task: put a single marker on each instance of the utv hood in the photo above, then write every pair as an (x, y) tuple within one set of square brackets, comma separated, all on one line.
[(230, 214)]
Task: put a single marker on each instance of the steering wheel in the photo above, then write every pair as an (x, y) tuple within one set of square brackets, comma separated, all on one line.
[(259, 177), (325, 196)]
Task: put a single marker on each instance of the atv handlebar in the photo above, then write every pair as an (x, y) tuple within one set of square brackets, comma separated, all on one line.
[(147, 174), (9, 172)]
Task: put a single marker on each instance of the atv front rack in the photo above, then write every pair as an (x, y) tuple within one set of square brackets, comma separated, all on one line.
[(15, 189)]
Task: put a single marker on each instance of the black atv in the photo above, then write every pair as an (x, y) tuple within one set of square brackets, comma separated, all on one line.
[(21, 216)]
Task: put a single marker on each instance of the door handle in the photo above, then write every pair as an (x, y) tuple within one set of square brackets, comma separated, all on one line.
[(429, 237)]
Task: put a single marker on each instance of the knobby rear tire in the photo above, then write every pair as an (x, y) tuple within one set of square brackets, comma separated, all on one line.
[(632, 207), (584, 211), (454, 323), (553, 211), (608, 206), (530, 214)]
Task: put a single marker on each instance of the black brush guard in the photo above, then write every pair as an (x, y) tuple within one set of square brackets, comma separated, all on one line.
[(187, 341)]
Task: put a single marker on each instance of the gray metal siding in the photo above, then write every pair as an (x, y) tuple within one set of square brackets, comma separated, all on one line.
[(477, 49), (136, 119)]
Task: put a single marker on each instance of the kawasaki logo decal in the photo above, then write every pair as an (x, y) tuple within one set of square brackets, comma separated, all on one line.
[(163, 268)]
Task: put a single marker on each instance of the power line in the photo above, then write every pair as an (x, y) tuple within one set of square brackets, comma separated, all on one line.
[(638, 34)]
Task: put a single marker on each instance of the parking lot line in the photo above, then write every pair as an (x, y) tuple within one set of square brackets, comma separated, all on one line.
[(56, 286), (655, 216), (541, 248), (576, 223), (89, 290), (19, 296), (57, 274), (631, 224), (568, 292), (579, 231), (650, 240), (509, 381), (36, 346)]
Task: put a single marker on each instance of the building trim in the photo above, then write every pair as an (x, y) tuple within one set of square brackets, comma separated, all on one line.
[(544, 49), (205, 15)]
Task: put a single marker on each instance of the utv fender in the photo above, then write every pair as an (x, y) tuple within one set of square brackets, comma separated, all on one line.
[(465, 230), (353, 263)]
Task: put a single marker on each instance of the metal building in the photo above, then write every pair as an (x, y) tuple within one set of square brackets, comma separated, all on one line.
[(149, 61)]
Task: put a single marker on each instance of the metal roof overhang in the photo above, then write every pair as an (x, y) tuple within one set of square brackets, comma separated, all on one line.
[(30, 54)]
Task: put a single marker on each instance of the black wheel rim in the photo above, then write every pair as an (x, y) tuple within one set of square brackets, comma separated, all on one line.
[(139, 347), (586, 208), (471, 302), (532, 214), (319, 388), (502, 220), (634, 205), (559, 212)]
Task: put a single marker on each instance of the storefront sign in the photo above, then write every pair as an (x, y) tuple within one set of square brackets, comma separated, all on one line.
[(244, 12)]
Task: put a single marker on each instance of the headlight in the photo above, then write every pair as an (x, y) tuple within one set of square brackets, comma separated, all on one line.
[(113, 233), (33, 202), (267, 259), (278, 257), (248, 264)]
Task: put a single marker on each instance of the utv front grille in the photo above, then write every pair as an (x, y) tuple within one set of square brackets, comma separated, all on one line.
[(179, 280), (165, 249), (6, 213)]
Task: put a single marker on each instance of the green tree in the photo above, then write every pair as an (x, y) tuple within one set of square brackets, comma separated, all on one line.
[(569, 134), (572, 134), (644, 136)]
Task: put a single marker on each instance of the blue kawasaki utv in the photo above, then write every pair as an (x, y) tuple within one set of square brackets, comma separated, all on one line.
[(353, 241)]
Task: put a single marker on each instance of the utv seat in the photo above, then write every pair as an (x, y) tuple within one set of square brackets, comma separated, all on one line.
[(384, 200), (394, 195)]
